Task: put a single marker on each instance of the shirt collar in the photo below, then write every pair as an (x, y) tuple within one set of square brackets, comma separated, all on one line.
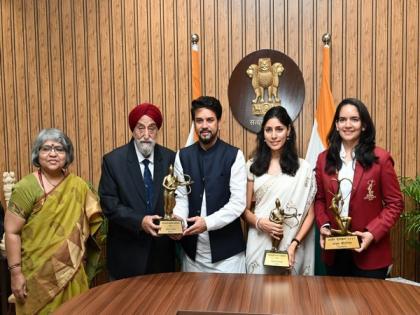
[(343, 153)]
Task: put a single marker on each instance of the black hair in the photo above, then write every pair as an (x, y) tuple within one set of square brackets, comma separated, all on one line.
[(364, 150), (289, 160), (208, 102)]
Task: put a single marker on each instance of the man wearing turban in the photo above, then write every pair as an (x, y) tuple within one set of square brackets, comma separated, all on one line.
[(132, 199)]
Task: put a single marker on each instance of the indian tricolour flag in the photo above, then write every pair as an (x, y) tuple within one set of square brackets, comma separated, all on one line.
[(323, 119), (324, 113), (196, 85)]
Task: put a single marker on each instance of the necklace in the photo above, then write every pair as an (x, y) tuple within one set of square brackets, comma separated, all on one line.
[(42, 175), (48, 181)]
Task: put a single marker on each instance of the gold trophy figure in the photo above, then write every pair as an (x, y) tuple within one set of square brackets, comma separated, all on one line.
[(342, 222), (274, 257), (276, 216), (169, 224), (341, 238)]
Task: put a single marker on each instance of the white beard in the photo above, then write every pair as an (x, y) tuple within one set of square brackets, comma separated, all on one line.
[(145, 147)]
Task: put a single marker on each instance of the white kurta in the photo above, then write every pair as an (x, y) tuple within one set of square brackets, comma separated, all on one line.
[(217, 220)]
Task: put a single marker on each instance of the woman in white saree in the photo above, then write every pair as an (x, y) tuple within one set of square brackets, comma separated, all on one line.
[(276, 172)]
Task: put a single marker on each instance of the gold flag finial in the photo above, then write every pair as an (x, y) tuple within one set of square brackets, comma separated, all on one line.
[(195, 38), (326, 39)]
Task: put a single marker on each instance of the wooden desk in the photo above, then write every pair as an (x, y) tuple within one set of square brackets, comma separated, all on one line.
[(257, 294)]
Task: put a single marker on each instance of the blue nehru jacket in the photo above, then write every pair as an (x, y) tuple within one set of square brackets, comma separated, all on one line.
[(210, 171)]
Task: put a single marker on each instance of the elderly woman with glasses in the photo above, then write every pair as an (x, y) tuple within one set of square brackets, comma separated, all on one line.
[(51, 215)]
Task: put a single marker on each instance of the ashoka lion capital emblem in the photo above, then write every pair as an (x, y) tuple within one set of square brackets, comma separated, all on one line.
[(265, 77)]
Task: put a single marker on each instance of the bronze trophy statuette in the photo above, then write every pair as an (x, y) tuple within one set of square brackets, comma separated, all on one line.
[(169, 224), (274, 257), (341, 238)]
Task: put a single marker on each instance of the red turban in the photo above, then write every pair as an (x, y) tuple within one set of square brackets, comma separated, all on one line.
[(144, 109)]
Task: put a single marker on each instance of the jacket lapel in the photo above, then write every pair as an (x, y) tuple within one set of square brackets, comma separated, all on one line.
[(135, 171), (158, 174)]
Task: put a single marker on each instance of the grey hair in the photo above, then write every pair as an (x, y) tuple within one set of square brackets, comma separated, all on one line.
[(52, 134)]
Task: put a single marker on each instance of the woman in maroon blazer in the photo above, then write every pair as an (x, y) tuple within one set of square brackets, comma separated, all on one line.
[(370, 190)]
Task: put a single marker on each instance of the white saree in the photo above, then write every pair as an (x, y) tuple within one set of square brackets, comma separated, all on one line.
[(296, 195)]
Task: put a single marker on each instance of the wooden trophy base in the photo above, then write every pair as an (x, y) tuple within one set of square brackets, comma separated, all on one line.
[(276, 259), (170, 226), (341, 242)]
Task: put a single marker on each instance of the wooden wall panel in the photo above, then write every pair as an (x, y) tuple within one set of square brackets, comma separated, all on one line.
[(307, 64), (222, 72), (337, 49), (81, 65), (410, 143), (251, 37), (366, 52), (182, 51), (237, 49), (19, 82), (293, 41), (394, 95)]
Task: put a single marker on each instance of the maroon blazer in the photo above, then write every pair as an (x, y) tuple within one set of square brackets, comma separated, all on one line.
[(376, 203)]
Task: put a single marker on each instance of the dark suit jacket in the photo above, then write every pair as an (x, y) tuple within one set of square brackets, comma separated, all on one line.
[(375, 211), (131, 251)]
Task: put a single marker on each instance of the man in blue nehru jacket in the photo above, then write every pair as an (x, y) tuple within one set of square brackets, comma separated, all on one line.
[(213, 240)]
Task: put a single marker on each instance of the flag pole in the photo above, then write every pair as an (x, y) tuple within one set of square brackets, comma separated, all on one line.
[(196, 80), (195, 66), (318, 142)]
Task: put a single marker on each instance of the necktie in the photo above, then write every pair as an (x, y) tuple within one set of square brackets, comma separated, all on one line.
[(148, 184)]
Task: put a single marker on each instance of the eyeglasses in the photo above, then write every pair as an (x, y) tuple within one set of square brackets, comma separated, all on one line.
[(46, 149), (152, 129)]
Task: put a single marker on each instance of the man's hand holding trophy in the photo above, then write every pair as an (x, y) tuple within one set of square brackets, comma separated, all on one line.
[(170, 224)]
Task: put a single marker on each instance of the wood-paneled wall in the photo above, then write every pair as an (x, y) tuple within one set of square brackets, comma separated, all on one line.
[(81, 65)]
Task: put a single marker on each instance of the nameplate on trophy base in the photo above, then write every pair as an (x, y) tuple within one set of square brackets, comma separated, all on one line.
[(276, 259), (341, 242), (170, 226)]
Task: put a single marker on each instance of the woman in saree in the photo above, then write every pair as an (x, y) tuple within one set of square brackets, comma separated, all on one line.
[(277, 177), (51, 215)]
